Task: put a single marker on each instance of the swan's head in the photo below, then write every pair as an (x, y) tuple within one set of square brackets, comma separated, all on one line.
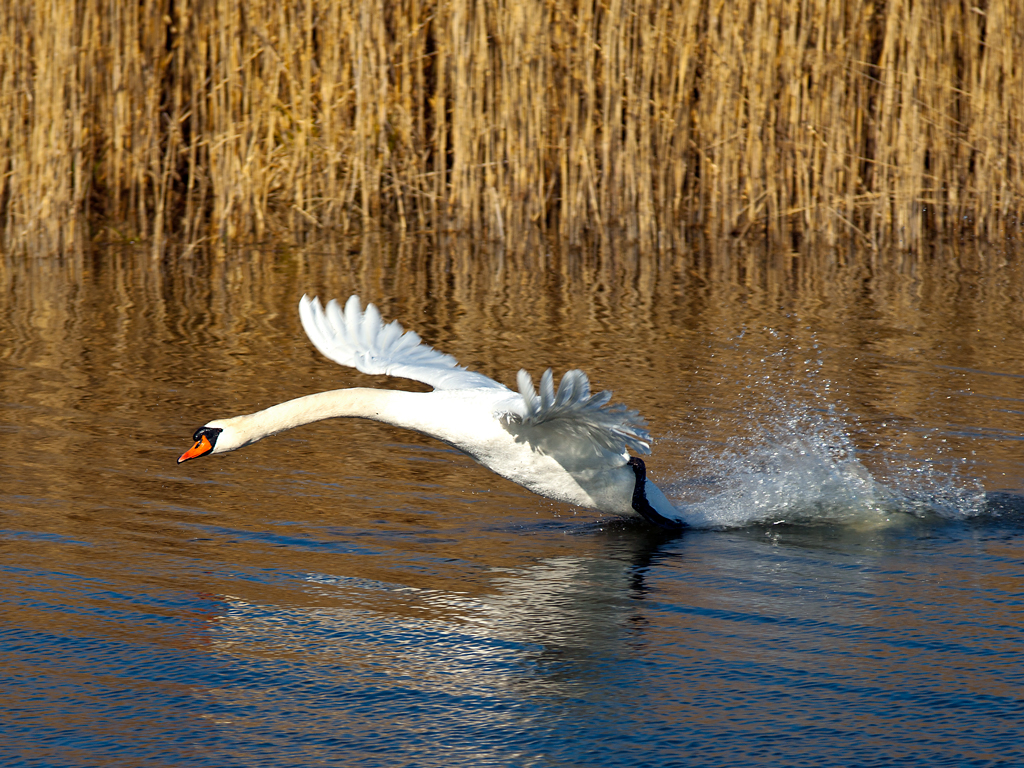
[(209, 438), (223, 435)]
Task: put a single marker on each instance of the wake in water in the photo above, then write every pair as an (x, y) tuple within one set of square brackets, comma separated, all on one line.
[(806, 471)]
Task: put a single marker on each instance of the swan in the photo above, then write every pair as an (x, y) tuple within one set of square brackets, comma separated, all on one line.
[(564, 444)]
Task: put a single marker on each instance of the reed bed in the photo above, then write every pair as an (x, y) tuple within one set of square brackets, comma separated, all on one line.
[(887, 123)]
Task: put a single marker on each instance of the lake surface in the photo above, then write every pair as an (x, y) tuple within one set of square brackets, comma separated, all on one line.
[(846, 438)]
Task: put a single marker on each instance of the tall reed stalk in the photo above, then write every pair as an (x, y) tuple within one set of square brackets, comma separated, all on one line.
[(885, 122)]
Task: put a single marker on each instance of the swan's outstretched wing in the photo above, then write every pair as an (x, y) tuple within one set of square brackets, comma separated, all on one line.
[(574, 412), (361, 340)]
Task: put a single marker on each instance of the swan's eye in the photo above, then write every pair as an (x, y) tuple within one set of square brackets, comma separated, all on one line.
[(210, 433)]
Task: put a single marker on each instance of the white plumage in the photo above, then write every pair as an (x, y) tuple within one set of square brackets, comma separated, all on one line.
[(574, 409), (566, 444), (361, 340)]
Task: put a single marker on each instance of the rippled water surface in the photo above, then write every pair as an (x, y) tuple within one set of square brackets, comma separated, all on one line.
[(846, 440)]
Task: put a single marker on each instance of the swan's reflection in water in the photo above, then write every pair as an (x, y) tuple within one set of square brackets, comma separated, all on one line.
[(385, 664), (569, 606)]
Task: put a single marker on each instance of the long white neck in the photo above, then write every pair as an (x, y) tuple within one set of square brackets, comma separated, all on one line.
[(469, 425), (359, 402)]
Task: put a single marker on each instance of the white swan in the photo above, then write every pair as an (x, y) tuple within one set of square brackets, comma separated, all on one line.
[(568, 445)]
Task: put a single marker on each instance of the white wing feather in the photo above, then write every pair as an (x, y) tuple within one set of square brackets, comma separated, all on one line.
[(361, 340), (573, 410)]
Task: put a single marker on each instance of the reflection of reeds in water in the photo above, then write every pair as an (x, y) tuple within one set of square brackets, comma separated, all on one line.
[(161, 350), (884, 123)]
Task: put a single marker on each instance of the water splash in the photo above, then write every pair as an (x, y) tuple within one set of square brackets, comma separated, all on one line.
[(802, 467), (798, 480)]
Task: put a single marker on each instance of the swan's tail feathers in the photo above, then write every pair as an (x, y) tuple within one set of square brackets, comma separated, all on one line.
[(573, 409), (360, 339)]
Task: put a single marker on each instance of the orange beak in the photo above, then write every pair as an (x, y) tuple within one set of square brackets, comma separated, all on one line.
[(201, 448)]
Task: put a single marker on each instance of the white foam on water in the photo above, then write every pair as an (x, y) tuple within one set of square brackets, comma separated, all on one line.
[(803, 468), (795, 481)]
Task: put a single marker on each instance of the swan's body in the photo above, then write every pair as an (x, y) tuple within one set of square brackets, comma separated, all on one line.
[(567, 445)]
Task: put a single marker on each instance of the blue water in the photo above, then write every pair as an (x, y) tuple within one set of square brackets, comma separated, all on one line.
[(712, 648), (353, 595)]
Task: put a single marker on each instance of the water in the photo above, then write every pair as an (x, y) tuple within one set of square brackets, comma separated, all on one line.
[(847, 442)]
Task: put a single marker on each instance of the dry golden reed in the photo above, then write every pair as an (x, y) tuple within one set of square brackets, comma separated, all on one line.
[(820, 120)]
